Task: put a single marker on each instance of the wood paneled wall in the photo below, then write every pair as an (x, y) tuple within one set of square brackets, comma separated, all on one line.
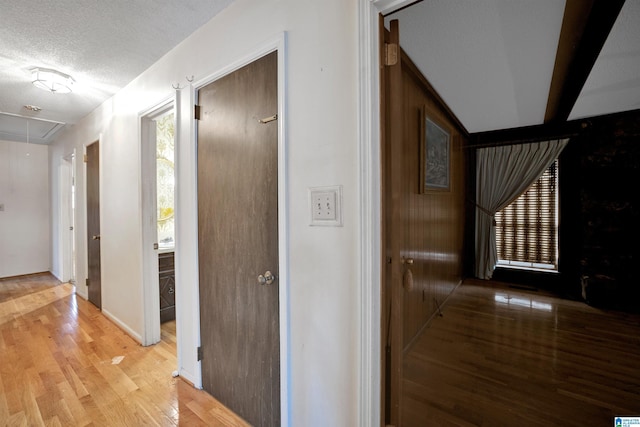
[(433, 222), (423, 231)]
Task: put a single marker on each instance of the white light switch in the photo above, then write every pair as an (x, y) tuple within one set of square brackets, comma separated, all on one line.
[(326, 205)]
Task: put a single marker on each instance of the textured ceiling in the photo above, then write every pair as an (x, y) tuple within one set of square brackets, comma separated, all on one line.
[(492, 60), (103, 45)]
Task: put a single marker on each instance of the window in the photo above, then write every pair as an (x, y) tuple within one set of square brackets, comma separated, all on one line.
[(527, 229), (165, 179)]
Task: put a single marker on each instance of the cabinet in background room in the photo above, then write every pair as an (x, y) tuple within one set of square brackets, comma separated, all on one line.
[(167, 286)]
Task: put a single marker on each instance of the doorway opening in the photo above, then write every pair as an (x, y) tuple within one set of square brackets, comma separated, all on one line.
[(158, 211), (67, 223), (378, 251)]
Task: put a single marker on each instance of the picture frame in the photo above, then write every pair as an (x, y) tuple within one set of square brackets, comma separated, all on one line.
[(435, 156)]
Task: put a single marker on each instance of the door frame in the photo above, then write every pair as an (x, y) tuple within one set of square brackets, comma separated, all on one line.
[(279, 44), (67, 241), (151, 332), (371, 263)]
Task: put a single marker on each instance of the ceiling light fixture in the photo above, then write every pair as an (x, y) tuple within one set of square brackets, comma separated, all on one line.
[(51, 80)]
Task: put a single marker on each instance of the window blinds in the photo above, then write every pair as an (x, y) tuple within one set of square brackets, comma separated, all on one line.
[(527, 229)]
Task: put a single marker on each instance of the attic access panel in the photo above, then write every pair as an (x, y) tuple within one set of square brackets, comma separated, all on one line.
[(14, 128)]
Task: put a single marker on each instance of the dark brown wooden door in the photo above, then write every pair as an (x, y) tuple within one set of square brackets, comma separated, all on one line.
[(238, 241), (93, 223), (167, 284), (392, 156)]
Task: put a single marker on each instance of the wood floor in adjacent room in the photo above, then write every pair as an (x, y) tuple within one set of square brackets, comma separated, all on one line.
[(500, 356), (59, 366)]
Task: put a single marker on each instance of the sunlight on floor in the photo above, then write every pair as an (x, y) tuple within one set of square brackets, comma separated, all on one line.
[(523, 302), (26, 304)]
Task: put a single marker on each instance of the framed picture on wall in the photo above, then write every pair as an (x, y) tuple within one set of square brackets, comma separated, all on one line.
[(435, 157)]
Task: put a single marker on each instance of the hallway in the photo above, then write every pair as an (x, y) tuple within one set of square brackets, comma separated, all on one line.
[(65, 364), (502, 356)]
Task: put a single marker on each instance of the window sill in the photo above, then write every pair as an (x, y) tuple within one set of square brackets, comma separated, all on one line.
[(527, 268)]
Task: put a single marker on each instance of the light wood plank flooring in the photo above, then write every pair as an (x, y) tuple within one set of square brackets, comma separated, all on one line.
[(59, 366), (500, 356)]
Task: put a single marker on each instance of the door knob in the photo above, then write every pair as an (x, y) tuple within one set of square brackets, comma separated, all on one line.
[(267, 278), (407, 260), (96, 237)]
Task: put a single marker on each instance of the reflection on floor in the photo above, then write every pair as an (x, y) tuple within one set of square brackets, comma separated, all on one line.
[(506, 357), (64, 363)]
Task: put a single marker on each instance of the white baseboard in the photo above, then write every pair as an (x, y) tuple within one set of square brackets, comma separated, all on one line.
[(123, 326)]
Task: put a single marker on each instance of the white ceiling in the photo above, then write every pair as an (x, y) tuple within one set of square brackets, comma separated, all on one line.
[(103, 45), (492, 60), (614, 82)]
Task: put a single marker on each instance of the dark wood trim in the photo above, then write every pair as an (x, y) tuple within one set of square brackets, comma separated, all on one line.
[(585, 28), (527, 134), (542, 132), (576, 14)]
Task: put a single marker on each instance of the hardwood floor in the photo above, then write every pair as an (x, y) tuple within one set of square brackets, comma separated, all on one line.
[(60, 366), (505, 357), (498, 357)]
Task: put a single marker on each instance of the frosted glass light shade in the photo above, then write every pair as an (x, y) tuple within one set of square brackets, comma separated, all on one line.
[(51, 80)]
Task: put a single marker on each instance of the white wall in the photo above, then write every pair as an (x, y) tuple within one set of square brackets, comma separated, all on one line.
[(322, 135), (25, 245)]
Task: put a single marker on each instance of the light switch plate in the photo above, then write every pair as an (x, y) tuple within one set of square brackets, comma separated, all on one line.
[(326, 205)]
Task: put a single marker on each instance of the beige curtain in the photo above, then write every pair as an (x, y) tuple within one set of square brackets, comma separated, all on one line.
[(503, 174)]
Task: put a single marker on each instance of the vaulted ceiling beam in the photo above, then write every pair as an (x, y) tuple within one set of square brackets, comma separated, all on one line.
[(585, 28)]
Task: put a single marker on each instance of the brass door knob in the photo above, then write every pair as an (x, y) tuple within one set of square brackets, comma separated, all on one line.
[(267, 278)]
